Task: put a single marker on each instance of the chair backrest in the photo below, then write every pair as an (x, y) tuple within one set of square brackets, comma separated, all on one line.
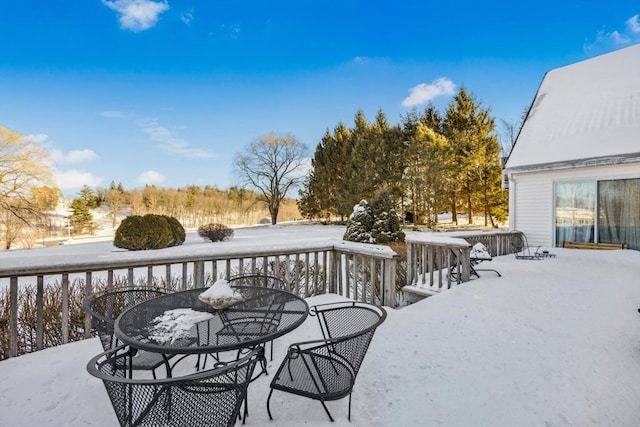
[(349, 327), (517, 241), (261, 280), (212, 397), (520, 245), (104, 307)]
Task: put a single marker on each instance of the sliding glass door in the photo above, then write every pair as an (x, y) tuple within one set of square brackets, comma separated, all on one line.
[(617, 203), (619, 212)]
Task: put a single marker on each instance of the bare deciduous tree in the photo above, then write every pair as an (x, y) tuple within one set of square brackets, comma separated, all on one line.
[(23, 165), (273, 165)]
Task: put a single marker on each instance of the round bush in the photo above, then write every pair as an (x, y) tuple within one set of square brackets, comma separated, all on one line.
[(215, 232), (179, 235), (150, 231)]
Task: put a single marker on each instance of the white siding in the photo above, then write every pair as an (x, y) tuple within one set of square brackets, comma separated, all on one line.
[(531, 207)]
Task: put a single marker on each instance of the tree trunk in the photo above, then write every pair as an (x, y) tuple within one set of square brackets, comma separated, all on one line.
[(273, 210)]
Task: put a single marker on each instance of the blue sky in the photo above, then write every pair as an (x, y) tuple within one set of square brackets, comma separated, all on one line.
[(168, 92)]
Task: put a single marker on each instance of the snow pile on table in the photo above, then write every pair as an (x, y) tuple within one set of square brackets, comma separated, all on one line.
[(220, 295), (176, 324)]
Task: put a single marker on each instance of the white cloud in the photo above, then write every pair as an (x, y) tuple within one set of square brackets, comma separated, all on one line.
[(37, 138), (633, 24), (150, 177), (187, 17), (137, 15), (423, 92), (112, 114), (73, 156), (169, 143), (608, 40), (72, 179), (618, 38)]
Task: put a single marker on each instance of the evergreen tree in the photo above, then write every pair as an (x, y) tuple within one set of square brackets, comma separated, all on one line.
[(360, 173), (360, 224), (427, 174), (81, 218), (432, 119), (323, 192), (88, 197), (468, 128), (386, 225)]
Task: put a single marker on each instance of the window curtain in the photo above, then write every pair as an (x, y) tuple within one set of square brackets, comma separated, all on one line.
[(619, 212), (575, 212)]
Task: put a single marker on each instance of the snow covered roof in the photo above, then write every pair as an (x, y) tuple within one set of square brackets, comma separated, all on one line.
[(586, 113)]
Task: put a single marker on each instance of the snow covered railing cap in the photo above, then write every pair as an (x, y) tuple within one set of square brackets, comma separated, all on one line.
[(431, 239), (380, 251)]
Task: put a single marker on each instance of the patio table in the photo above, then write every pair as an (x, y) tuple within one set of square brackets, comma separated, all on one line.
[(179, 323)]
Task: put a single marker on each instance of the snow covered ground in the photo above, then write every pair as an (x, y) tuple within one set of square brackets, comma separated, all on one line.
[(551, 343)]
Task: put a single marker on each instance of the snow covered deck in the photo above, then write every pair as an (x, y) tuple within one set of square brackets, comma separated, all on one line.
[(553, 342)]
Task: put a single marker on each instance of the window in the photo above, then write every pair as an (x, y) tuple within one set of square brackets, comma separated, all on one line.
[(617, 204)]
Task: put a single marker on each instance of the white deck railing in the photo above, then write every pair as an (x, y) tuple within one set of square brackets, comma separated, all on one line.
[(359, 271), (436, 262)]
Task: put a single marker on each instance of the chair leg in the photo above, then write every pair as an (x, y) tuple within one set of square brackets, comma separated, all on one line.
[(327, 410), (268, 408), (349, 416)]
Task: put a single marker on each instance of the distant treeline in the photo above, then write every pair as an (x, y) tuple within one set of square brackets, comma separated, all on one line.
[(192, 206), (428, 164)]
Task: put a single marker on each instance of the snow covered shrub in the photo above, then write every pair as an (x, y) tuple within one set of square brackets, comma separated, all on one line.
[(386, 224), (377, 223), (215, 232), (150, 231), (360, 224)]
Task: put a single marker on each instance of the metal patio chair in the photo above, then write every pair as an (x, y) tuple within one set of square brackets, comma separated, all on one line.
[(479, 253), (212, 397), (521, 247), (326, 369), (104, 307), (265, 281)]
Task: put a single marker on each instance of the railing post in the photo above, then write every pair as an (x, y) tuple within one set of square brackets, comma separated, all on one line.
[(333, 274), (466, 263), (389, 283), (411, 265), (198, 274)]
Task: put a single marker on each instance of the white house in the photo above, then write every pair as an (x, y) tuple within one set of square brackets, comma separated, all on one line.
[(574, 170)]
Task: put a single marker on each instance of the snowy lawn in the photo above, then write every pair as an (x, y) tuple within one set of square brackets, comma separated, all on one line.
[(551, 343)]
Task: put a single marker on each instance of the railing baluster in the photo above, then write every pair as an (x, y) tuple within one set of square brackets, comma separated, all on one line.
[(88, 290), (65, 308), (39, 312), (184, 276), (13, 316)]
